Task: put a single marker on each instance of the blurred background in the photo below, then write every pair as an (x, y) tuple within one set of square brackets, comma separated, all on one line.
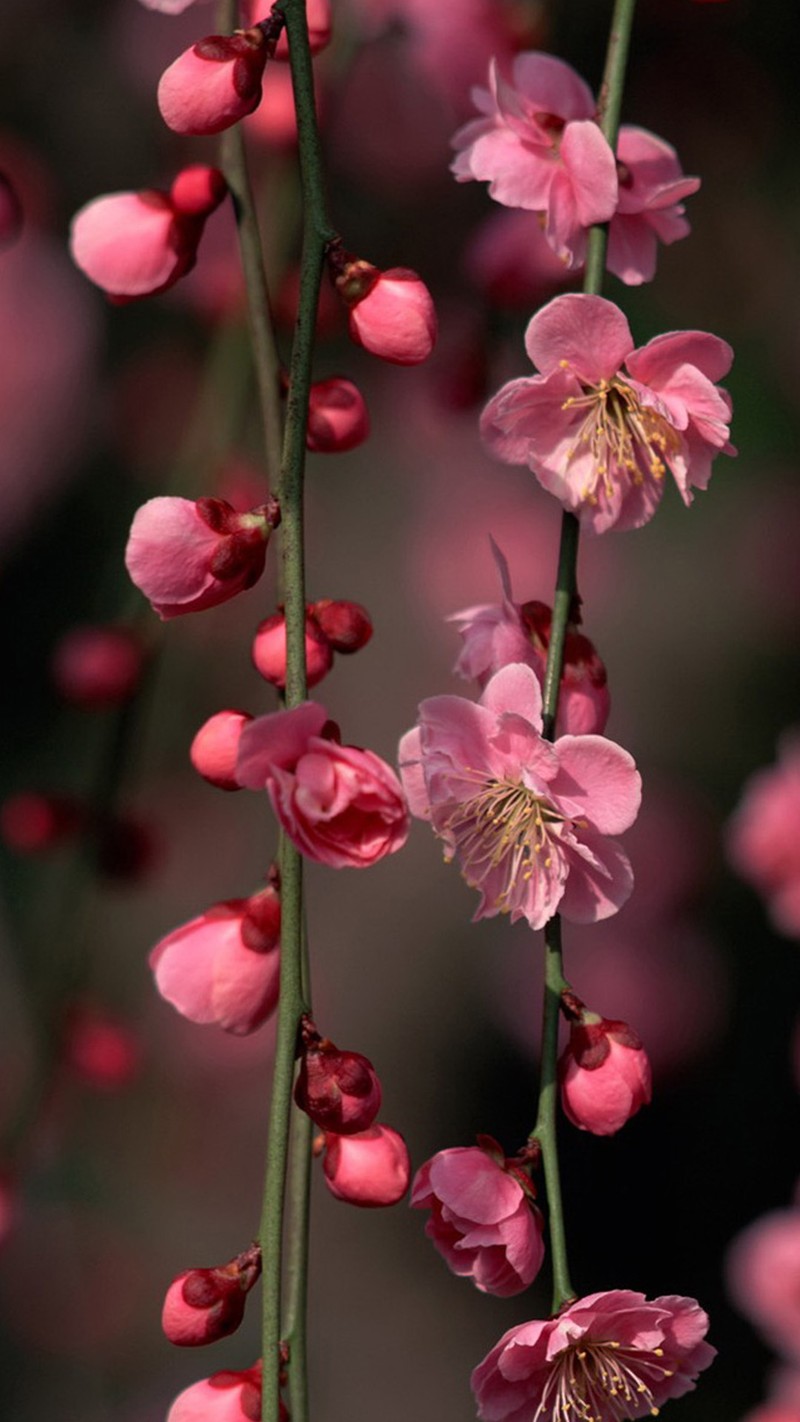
[(133, 1140)]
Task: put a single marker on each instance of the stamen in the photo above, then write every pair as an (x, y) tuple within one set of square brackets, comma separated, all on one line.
[(628, 441)]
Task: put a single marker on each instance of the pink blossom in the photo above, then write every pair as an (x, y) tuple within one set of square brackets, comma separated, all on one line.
[(527, 818), (652, 187), (214, 84), (509, 259), (764, 836), (602, 422), (214, 750), (223, 966), (224, 1397), (269, 650), (483, 1221), (539, 147), (103, 1052), (97, 667), (391, 313), (337, 417), (340, 805), (607, 1356), (340, 1091), (495, 634), (764, 1278), (604, 1075), (369, 1169), (186, 556), (202, 1305), (138, 244)]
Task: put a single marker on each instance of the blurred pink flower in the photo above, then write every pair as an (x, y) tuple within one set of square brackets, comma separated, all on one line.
[(764, 836), (370, 1168), (607, 1356), (224, 966), (98, 667), (340, 805), (539, 147), (604, 1075), (483, 1221), (600, 436), (103, 1052), (527, 818), (764, 1278), (509, 259)]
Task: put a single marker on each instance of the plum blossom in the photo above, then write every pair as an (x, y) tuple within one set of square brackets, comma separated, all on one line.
[(604, 1074), (340, 805), (97, 667), (483, 1221), (495, 634), (602, 423), (538, 147), (650, 210), (608, 1356), (764, 836), (528, 819), (391, 313)]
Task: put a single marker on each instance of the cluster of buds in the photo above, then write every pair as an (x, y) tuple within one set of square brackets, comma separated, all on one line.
[(343, 627)]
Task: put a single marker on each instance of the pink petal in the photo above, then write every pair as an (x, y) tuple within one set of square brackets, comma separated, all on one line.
[(591, 166), (515, 689), (517, 175), (124, 242), (655, 363), (562, 227), (169, 551), (412, 774), (632, 249), (587, 334), (183, 963), (591, 894), (276, 741), (473, 1186), (599, 780), (553, 86)]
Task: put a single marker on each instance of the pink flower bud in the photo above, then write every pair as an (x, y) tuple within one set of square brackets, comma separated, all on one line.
[(96, 667), (137, 244), (483, 1220), (269, 651), (604, 1074), (395, 318), (224, 1397), (31, 823), (340, 1091), (198, 190), (369, 1169), (202, 1305), (347, 625), (214, 749), (11, 217), (214, 84), (318, 15), (186, 556), (337, 417), (103, 1052), (223, 966)]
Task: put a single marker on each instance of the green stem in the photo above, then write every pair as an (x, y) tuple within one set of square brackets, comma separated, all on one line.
[(564, 607)]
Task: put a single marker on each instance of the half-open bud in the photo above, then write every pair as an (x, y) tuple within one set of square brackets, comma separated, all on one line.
[(215, 83), (202, 1305), (214, 749), (604, 1072), (340, 1091), (391, 313), (370, 1169)]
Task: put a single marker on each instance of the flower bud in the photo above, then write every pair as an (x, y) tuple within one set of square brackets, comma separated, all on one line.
[(214, 84), (391, 313), (202, 1305), (31, 823), (337, 417), (604, 1074), (369, 1169), (96, 667), (340, 1091), (269, 650), (104, 1053), (224, 1397), (198, 190), (347, 625), (214, 749)]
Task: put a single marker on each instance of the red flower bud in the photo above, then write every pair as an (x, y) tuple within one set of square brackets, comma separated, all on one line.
[(370, 1169), (391, 313), (269, 650), (604, 1074), (202, 1305), (337, 417), (347, 625), (340, 1091), (214, 749)]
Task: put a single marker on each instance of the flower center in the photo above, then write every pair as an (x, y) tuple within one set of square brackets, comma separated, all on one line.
[(505, 825), (601, 1382), (626, 438)]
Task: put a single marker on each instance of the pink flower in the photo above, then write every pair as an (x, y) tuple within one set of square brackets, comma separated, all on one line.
[(650, 209), (202, 1305), (97, 667), (224, 1397), (370, 1169), (215, 83), (764, 836), (496, 634), (223, 966), (340, 805), (137, 244), (214, 750), (509, 259), (483, 1221), (764, 1278), (539, 147), (391, 313), (607, 1356), (340, 1091), (527, 818), (103, 1052), (337, 417), (602, 422), (604, 1074), (186, 556)]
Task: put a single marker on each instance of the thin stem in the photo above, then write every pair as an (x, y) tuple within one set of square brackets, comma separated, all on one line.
[(565, 604)]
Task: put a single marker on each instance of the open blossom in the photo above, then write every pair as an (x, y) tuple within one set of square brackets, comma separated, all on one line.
[(764, 836), (527, 819), (187, 555), (215, 83), (224, 965), (340, 805), (605, 1357), (538, 147), (602, 423), (483, 1221), (138, 244), (495, 634)]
